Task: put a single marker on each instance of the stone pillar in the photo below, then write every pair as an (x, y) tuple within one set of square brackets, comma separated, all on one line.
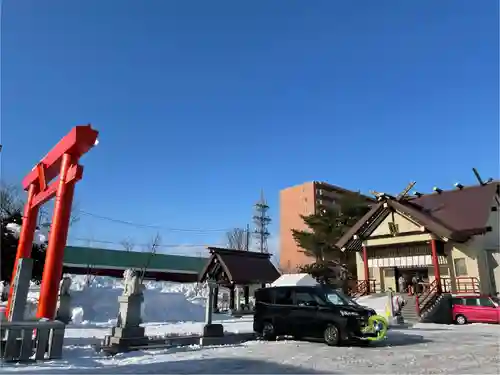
[(64, 309), (209, 305), (20, 288), (128, 331), (210, 329)]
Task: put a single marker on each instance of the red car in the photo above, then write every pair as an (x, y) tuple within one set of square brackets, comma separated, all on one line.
[(476, 309)]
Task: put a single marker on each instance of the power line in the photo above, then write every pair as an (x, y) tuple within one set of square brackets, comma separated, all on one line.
[(143, 245), (138, 225)]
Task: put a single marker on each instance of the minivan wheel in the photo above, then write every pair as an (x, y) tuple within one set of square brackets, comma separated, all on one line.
[(268, 331), (460, 319), (331, 335)]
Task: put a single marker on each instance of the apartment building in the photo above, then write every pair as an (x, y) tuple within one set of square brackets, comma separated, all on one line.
[(299, 200)]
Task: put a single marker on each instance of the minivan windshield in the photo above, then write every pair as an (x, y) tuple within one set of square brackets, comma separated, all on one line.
[(349, 300), (337, 297)]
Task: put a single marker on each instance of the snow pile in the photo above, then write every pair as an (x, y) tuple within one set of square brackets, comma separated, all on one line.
[(40, 238), (100, 305), (95, 300)]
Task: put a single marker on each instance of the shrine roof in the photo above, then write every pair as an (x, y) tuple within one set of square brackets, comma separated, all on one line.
[(240, 267), (456, 214)]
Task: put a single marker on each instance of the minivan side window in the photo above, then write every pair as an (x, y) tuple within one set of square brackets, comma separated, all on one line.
[(304, 298), (486, 302), (283, 297), (457, 301), (471, 301), (264, 296)]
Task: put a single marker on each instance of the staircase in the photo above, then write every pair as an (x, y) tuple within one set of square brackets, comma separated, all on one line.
[(409, 311), (439, 311), (361, 288)]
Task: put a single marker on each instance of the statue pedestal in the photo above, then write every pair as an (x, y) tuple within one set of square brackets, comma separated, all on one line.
[(213, 330), (129, 313), (210, 329), (64, 310), (128, 331)]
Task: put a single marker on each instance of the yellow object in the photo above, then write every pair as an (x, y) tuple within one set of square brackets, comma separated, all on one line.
[(377, 324), (388, 312)]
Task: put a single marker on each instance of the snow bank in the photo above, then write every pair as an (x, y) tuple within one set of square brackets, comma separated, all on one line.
[(95, 301), (99, 305)]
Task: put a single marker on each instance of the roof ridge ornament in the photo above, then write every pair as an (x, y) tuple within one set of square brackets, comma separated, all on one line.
[(404, 193)]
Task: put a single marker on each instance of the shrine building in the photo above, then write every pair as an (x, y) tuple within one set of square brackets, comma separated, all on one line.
[(449, 239)]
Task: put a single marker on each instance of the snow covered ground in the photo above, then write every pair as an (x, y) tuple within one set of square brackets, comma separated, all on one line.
[(175, 309), (424, 349)]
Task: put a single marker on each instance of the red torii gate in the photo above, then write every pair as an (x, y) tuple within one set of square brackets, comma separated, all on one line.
[(61, 161)]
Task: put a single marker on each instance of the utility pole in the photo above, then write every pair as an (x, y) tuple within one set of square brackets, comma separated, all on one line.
[(247, 243), (262, 220)]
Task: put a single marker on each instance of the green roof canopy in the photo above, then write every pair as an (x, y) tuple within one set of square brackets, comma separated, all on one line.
[(84, 257)]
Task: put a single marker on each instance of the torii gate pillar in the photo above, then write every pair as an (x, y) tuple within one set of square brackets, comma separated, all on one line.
[(61, 161)]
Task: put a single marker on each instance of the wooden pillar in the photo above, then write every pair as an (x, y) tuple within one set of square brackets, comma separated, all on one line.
[(366, 269), (216, 299), (435, 263), (231, 297), (246, 292)]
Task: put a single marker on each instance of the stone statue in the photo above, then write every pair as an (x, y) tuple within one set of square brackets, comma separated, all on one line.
[(65, 286), (131, 282), (64, 308)]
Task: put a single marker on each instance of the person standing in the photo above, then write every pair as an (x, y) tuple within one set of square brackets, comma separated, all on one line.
[(414, 284), (402, 284)]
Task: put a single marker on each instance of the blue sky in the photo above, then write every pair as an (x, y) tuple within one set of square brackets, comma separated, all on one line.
[(200, 104)]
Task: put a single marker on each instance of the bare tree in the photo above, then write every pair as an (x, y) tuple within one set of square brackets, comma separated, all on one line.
[(11, 200), (152, 249), (237, 239), (128, 244), (45, 215)]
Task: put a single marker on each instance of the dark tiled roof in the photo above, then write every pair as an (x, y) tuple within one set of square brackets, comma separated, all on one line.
[(457, 214), (242, 267), (460, 210)]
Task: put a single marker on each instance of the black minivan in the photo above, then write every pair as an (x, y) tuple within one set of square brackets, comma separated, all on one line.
[(309, 312)]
